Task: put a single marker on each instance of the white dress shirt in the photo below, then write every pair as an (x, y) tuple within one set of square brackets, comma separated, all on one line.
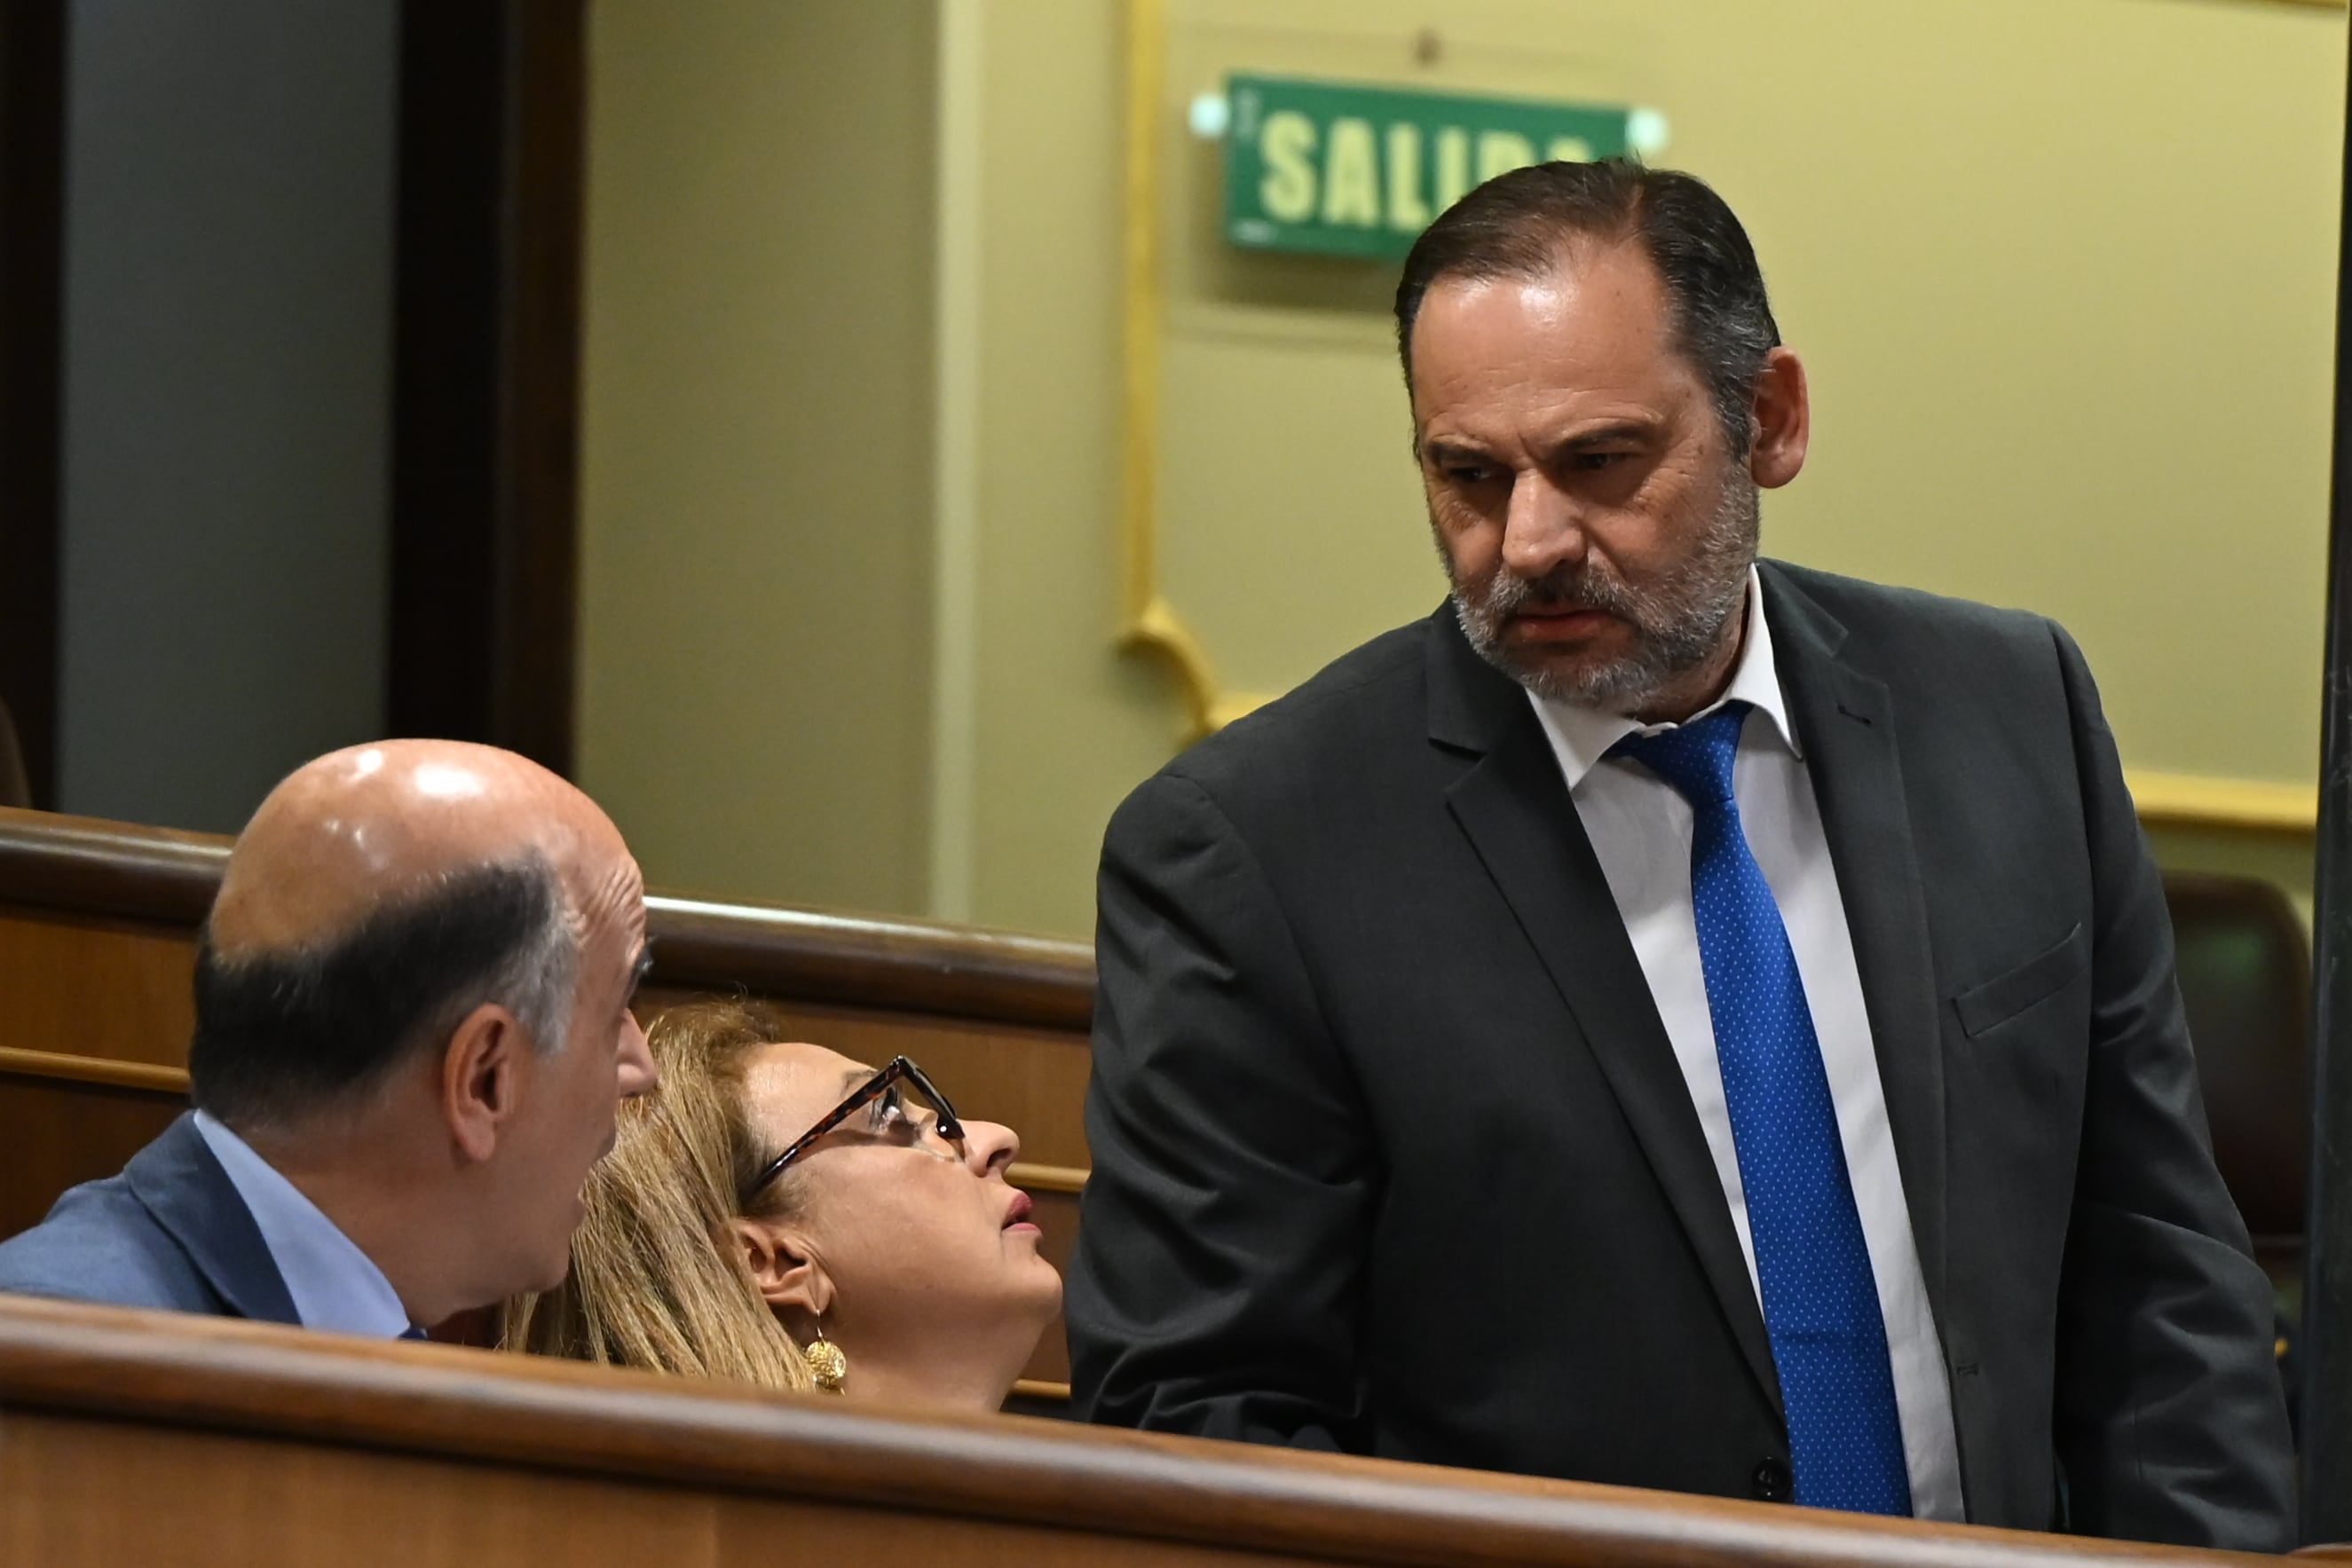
[(1641, 831), (335, 1286)]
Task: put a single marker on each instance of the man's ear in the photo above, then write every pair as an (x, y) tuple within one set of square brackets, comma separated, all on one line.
[(783, 1267), (481, 1078), (1784, 421)]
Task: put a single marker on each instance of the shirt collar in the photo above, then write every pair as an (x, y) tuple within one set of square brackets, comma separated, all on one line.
[(336, 1287), (1580, 736)]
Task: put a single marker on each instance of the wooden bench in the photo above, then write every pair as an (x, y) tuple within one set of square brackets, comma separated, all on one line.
[(98, 924), (160, 1439), (98, 932)]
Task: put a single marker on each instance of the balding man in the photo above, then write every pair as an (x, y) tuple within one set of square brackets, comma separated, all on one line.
[(412, 1029)]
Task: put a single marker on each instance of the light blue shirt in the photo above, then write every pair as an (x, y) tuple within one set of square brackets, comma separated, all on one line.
[(335, 1286)]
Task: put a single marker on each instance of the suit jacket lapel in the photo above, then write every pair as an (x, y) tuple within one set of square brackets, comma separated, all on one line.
[(1845, 722), (1514, 807), (191, 1197)]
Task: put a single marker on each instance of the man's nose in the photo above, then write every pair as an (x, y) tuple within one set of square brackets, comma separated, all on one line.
[(637, 1072), (989, 1147), (1543, 530)]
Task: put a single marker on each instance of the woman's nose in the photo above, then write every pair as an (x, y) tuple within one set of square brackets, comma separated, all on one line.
[(989, 1147)]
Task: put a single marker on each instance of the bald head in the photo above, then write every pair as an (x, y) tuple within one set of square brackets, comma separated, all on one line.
[(413, 1001), (382, 895), (374, 827)]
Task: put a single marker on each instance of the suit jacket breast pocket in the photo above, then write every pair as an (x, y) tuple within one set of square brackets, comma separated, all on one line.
[(2011, 992)]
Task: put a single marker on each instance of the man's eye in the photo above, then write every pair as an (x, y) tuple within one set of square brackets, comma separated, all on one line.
[(1469, 473)]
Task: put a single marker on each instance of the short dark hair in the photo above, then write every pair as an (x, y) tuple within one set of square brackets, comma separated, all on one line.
[(283, 1035), (1515, 224)]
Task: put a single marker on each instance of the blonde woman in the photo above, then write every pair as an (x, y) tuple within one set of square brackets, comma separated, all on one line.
[(778, 1214)]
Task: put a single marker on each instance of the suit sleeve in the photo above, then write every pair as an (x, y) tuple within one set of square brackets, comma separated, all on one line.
[(1216, 1288), (2170, 1423)]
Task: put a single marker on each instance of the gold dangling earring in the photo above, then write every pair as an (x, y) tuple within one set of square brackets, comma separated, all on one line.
[(826, 1362)]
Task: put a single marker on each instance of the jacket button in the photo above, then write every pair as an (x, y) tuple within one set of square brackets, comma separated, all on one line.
[(1771, 1479)]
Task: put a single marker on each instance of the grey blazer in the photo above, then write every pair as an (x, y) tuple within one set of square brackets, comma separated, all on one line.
[(1391, 1155), (170, 1233)]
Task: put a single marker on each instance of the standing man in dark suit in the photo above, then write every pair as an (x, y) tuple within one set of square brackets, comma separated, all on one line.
[(1667, 1018), (412, 1033)]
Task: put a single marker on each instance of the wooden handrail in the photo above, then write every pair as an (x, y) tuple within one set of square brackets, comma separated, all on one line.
[(257, 1380), (82, 865), (54, 1064), (913, 965)]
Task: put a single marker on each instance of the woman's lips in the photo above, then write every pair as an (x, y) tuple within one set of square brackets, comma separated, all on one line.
[(1016, 1217)]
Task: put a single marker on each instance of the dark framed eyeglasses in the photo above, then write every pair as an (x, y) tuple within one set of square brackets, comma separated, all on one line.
[(883, 1086)]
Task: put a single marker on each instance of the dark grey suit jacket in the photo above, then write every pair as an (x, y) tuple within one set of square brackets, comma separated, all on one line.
[(1392, 1154), (169, 1233)]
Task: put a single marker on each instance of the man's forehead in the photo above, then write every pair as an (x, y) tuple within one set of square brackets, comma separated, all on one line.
[(634, 906), (1596, 325), (800, 1082), (609, 895), (1610, 297)]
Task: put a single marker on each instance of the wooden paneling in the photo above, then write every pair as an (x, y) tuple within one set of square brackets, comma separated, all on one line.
[(59, 1132), (98, 920), (98, 926), (206, 1500), (164, 880), (86, 986), (142, 1438), (84, 865)]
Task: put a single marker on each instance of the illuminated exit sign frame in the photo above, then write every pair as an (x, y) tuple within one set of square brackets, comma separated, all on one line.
[(1339, 168)]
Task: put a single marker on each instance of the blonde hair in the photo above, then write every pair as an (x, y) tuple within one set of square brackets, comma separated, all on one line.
[(658, 1280)]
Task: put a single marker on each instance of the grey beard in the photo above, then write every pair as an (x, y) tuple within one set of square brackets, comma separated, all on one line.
[(1678, 622)]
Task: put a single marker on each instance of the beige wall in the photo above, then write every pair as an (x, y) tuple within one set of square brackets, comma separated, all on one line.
[(2062, 269), (1066, 726), (757, 467)]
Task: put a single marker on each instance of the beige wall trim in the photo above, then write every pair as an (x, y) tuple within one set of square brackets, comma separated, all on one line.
[(1140, 389), (1148, 621), (955, 525), (2162, 799), (1038, 1388), (2188, 800), (1046, 1178)]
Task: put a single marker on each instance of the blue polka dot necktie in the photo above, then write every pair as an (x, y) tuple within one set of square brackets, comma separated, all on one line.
[(1821, 1300)]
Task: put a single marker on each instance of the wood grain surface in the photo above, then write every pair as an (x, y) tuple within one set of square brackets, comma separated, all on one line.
[(163, 882), (246, 1442)]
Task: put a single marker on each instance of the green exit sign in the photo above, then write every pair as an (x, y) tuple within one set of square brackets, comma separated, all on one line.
[(1338, 169)]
